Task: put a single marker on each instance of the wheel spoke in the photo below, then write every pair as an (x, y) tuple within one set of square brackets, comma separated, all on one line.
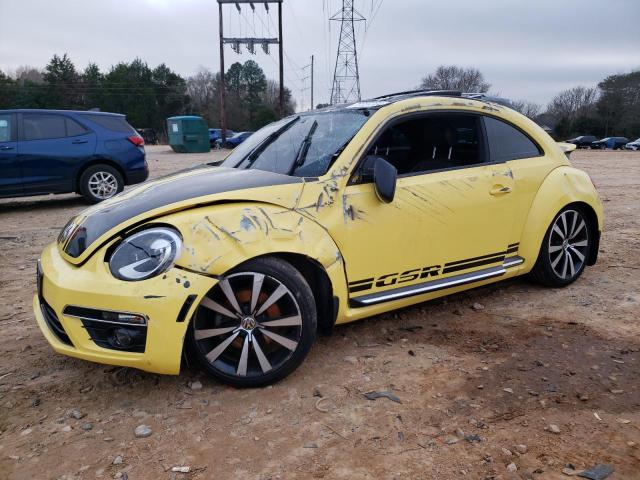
[(273, 298), (283, 322), (216, 352), (262, 359), (212, 332), (565, 265), (242, 364), (573, 224), (572, 267), (258, 279), (228, 292), (577, 253), (556, 229), (555, 262), (581, 243), (564, 224), (284, 341), (555, 248), (580, 227), (216, 307)]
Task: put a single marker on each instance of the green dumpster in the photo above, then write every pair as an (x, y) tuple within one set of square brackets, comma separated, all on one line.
[(188, 134)]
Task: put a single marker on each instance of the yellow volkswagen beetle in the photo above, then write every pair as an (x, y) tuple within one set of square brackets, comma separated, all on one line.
[(318, 219)]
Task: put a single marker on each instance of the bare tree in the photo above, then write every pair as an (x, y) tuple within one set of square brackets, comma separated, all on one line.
[(26, 72), (452, 77), (202, 89), (573, 103), (528, 109)]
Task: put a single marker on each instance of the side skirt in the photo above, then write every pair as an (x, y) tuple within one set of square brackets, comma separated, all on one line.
[(435, 285)]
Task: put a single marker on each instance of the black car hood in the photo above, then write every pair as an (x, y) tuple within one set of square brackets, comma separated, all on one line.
[(194, 184)]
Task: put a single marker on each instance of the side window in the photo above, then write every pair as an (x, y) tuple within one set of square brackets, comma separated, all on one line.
[(431, 142), (507, 142), (6, 128), (74, 128), (38, 127)]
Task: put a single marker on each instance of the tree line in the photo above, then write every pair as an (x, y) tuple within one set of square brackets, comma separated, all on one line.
[(147, 96), (610, 109)]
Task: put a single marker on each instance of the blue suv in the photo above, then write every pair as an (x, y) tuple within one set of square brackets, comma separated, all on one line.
[(91, 153)]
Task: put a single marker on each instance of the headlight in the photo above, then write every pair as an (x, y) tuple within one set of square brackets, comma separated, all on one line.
[(146, 254)]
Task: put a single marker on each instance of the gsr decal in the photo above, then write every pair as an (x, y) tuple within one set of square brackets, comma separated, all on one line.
[(432, 271)]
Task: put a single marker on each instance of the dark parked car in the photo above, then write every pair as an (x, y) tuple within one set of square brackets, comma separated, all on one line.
[(583, 141), (635, 145), (215, 134), (91, 153), (234, 140), (614, 143), (149, 135)]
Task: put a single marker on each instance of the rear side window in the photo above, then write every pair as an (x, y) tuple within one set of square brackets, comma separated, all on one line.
[(74, 128), (507, 142), (6, 128), (39, 127), (115, 123)]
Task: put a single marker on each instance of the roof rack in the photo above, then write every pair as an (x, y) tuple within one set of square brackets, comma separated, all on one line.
[(415, 93)]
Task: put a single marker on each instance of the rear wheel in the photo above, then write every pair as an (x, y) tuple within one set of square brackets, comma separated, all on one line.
[(100, 182), (256, 325), (564, 250)]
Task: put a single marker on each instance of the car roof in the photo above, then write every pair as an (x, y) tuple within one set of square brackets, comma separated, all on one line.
[(46, 110), (389, 99)]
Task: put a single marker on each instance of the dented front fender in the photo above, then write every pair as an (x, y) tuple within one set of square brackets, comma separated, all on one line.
[(217, 238)]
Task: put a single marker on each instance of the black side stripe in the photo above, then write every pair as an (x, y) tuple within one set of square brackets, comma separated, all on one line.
[(360, 285), (479, 263)]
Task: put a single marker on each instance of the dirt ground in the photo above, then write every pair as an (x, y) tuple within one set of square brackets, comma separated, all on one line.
[(479, 388)]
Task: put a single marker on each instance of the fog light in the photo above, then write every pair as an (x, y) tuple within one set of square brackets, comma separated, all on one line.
[(122, 338)]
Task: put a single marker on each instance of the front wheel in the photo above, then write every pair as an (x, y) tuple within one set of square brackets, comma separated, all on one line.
[(256, 325), (100, 182), (564, 250)]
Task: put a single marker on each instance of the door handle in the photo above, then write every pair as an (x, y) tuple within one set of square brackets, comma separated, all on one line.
[(6, 147), (77, 142), (500, 190)]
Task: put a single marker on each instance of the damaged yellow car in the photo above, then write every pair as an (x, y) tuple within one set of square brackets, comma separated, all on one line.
[(318, 219)]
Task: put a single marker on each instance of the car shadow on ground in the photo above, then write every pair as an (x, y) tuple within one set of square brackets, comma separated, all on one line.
[(48, 202)]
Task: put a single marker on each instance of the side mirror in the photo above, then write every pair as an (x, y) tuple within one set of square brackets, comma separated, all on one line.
[(384, 176)]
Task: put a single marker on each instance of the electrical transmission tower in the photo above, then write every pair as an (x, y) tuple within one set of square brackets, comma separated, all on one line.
[(346, 80)]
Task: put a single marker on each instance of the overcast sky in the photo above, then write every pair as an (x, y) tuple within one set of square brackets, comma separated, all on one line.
[(526, 49)]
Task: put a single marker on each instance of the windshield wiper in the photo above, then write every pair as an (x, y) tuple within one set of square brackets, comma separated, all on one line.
[(255, 153), (304, 148)]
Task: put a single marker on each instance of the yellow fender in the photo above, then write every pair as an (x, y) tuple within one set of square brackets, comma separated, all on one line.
[(219, 237), (563, 186)]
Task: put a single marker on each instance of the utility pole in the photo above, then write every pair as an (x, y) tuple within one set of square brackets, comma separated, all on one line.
[(281, 51), (250, 43), (223, 88), (310, 76), (312, 104), (346, 79)]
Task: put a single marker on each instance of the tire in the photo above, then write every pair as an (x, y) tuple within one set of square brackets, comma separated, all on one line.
[(100, 182), (255, 326), (565, 249)]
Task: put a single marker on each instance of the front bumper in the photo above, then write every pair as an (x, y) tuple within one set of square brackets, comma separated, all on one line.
[(162, 299)]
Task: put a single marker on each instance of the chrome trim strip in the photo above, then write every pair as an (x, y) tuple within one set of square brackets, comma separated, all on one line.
[(435, 285), (90, 319), (512, 261)]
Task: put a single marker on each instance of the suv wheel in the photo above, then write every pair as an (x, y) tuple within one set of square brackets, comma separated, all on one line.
[(564, 250), (99, 182), (256, 325)]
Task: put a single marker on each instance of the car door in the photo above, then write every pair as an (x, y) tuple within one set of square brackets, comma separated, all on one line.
[(525, 159), (52, 149), (451, 215), (10, 176)]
